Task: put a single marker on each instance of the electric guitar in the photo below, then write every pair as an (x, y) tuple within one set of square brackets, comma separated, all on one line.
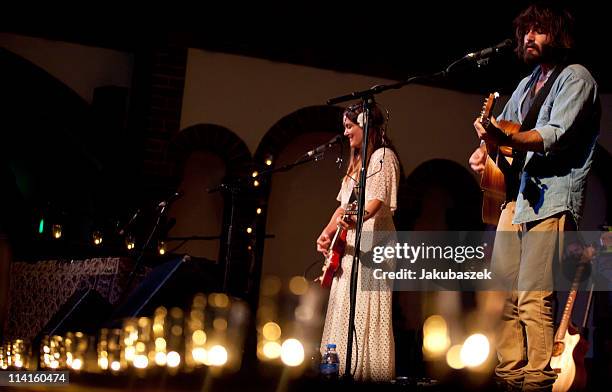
[(569, 347), (336, 250), (497, 167)]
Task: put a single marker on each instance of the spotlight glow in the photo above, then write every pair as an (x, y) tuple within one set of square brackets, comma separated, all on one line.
[(173, 359), (271, 331), (217, 356), (199, 355), (292, 352), (160, 344), (435, 336), (77, 364), (298, 285), (453, 357), (160, 358), (198, 337), (115, 366), (130, 353), (103, 363), (475, 350), (272, 350), (140, 361)]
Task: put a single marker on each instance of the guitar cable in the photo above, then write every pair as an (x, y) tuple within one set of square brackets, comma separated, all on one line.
[(307, 270)]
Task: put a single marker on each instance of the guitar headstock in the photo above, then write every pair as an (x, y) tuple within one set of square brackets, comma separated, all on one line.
[(487, 109)]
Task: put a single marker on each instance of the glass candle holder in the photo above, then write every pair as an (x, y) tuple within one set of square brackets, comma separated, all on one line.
[(97, 238), (129, 337), (115, 361), (56, 231), (102, 349), (57, 352), (196, 353)]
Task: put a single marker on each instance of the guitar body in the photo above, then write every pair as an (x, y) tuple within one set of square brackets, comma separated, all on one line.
[(334, 257), (336, 250), (493, 185), (493, 181), (569, 347), (569, 364)]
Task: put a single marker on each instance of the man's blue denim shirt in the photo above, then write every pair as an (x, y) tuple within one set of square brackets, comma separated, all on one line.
[(555, 180)]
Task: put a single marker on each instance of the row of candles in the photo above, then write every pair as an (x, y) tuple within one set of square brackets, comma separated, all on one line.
[(211, 333)]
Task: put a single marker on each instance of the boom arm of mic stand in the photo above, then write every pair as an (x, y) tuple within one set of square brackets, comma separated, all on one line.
[(363, 94), (379, 88), (138, 262)]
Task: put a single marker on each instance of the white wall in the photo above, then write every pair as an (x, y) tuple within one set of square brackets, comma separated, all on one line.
[(249, 95), (80, 67)]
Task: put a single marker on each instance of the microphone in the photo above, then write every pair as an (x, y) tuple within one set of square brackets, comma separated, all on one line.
[(165, 203), (484, 53), (324, 147), (129, 223)]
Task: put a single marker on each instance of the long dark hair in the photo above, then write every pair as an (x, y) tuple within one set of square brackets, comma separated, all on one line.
[(551, 19), (376, 136)]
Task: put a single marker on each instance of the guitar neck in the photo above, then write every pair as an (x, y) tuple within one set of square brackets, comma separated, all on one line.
[(567, 314), (569, 304), (336, 236)]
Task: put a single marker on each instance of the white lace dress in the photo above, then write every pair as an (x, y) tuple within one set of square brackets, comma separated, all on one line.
[(374, 330)]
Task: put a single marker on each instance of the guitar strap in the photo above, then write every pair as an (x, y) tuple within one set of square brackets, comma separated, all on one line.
[(529, 122)]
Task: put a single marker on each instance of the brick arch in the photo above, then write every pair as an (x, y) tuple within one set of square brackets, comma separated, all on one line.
[(448, 180), (225, 144), (277, 138), (302, 121), (215, 139), (308, 119)]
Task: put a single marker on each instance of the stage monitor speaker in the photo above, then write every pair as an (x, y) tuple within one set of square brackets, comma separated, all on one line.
[(173, 283), (85, 311)]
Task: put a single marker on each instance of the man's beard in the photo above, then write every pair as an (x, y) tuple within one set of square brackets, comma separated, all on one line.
[(540, 55)]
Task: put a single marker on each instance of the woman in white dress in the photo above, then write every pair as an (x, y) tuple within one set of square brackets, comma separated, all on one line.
[(373, 356)]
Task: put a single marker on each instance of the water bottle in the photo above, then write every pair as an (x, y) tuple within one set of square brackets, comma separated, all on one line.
[(330, 363)]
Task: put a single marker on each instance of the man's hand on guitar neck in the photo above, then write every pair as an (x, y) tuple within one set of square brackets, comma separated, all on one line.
[(492, 135)]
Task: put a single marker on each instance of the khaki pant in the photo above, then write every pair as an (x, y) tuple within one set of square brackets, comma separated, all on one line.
[(525, 337)]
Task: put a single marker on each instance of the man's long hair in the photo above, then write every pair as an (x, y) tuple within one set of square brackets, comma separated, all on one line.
[(551, 19)]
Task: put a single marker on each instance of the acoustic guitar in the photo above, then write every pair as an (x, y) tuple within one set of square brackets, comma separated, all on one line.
[(497, 167), (569, 347), (336, 250)]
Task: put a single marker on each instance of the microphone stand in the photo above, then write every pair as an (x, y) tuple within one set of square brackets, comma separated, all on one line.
[(367, 98), (234, 189), (162, 211)]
